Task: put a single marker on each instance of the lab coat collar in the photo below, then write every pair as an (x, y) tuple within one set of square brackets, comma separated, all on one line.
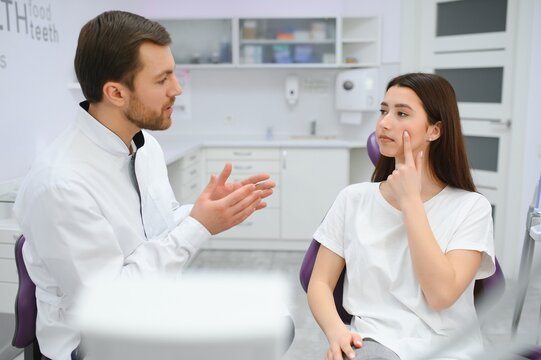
[(103, 136)]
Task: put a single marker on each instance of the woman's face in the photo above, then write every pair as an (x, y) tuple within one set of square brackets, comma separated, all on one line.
[(402, 110)]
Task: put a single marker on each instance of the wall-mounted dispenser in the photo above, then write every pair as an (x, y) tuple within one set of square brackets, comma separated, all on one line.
[(292, 89), (356, 91)]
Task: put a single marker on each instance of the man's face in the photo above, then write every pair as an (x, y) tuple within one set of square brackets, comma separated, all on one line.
[(155, 86)]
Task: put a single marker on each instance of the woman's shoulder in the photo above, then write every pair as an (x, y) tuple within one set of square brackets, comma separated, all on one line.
[(357, 191), (361, 188), (465, 197)]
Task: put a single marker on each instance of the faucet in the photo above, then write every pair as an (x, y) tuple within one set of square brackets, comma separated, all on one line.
[(313, 127)]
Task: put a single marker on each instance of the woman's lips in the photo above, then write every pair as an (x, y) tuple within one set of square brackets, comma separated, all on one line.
[(385, 138)]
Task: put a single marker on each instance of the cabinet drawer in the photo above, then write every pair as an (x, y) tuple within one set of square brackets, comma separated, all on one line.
[(9, 231), (8, 292), (263, 224), (245, 166), (8, 271), (231, 154), (190, 159), (189, 198), (189, 188), (7, 251), (190, 174)]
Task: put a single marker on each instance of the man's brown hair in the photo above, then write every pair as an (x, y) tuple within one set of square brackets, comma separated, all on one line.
[(108, 50)]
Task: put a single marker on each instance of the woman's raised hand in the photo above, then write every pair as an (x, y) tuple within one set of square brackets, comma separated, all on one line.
[(405, 180)]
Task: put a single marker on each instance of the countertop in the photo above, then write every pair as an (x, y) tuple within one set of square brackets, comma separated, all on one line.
[(175, 147)]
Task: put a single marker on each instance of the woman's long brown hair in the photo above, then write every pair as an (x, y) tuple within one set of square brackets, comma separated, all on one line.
[(447, 155)]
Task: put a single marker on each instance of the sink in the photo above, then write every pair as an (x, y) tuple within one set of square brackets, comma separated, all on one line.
[(312, 137)]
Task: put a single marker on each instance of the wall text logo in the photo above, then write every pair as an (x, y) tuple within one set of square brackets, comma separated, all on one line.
[(29, 19)]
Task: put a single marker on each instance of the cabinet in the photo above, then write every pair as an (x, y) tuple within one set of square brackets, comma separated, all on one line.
[(311, 179), (185, 177), (9, 280), (275, 42), (308, 180), (472, 44), (263, 224), (201, 41)]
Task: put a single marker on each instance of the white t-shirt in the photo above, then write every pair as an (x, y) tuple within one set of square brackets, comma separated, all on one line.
[(381, 289)]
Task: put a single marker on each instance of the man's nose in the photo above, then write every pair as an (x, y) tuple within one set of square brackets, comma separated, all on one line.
[(177, 88)]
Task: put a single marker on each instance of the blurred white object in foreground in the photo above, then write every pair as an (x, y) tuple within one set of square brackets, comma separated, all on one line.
[(202, 316)]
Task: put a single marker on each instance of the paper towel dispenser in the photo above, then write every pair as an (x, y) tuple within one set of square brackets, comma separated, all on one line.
[(357, 91)]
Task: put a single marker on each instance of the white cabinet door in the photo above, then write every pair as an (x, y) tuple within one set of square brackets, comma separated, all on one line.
[(310, 181), (185, 177)]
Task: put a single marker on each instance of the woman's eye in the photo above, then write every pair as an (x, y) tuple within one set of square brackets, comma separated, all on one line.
[(383, 112), (402, 114)]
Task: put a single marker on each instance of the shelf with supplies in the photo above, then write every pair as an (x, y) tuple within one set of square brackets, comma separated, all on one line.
[(287, 41), (360, 41), (275, 42)]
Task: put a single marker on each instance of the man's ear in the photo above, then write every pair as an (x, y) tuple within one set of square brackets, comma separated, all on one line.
[(434, 131), (115, 93)]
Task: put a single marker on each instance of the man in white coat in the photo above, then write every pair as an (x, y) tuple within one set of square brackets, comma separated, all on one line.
[(97, 204)]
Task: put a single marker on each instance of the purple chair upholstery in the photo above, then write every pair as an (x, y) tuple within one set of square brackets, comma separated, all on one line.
[(24, 336), (373, 148)]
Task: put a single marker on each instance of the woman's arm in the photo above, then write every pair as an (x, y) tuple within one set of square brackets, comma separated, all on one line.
[(443, 276), (327, 270)]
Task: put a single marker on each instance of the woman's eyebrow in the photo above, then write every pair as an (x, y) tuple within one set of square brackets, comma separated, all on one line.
[(403, 106)]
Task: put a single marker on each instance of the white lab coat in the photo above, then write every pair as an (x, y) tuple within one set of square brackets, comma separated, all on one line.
[(85, 223)]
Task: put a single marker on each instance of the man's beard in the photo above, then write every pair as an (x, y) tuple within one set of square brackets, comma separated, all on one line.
[(147, 119)]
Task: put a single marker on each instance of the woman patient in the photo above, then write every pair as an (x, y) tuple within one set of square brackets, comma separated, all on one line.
[(414, 239)]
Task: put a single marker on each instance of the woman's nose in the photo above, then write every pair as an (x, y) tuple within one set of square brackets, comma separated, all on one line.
[(383, 121)]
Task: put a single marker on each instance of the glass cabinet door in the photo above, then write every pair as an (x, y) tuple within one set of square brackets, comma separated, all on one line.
[(287, 41), (468, 24), (476, 85), (470, 17), (200, 41)]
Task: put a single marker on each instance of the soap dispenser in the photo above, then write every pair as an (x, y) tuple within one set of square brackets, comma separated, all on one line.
[(292, 89)]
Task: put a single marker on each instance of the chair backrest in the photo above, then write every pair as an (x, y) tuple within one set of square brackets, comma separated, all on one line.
[(24, 336), (493, 285), (25, 302)]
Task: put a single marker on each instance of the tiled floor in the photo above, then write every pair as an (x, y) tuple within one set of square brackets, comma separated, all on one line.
[(310, 343)]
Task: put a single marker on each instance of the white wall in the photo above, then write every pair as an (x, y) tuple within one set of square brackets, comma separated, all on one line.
[(34, 74)]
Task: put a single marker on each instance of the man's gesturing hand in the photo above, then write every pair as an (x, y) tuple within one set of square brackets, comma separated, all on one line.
[(222, 206)]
